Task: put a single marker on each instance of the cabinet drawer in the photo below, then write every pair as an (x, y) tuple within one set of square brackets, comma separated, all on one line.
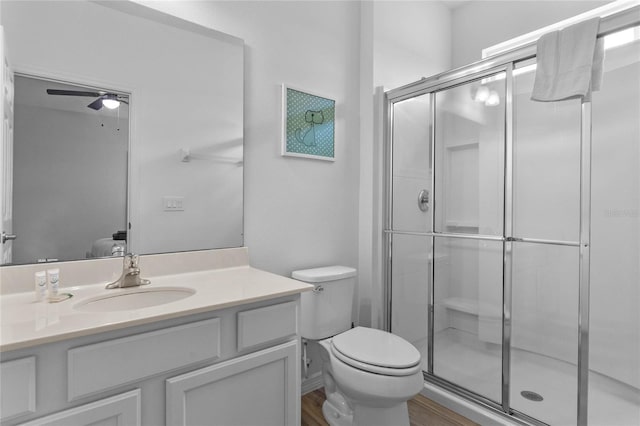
[(18, 393), (105, 365), (268, 324)]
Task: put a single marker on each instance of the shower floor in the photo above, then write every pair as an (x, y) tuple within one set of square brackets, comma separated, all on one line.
[(611, 403)]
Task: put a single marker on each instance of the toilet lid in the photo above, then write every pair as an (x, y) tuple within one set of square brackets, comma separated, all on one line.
[(367, 348)]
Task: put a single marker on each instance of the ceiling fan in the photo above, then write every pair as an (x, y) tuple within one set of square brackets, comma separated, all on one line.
[(106, 99)]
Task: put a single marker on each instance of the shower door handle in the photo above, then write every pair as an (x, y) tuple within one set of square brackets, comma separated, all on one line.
[(423, 200)]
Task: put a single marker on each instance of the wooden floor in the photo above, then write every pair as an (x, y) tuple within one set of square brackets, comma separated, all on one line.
[(422, 412)]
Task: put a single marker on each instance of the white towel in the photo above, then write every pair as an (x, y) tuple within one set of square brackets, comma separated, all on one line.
[(569, 63)]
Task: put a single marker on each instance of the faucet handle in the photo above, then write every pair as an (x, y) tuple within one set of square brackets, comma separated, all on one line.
[(130, 260)]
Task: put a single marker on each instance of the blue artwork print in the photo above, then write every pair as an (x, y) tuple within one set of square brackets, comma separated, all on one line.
[(309, 125)]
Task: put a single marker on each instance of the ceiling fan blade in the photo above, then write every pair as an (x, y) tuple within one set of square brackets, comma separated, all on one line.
[(72, 93), (97, 104)]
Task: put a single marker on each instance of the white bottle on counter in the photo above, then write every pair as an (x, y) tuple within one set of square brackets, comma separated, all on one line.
[(41, 285), (54, 280)]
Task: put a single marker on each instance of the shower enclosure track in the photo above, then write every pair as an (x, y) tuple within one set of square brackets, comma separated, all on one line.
[(485, 237)]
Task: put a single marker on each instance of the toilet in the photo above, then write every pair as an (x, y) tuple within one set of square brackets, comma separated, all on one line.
[(368, 374)]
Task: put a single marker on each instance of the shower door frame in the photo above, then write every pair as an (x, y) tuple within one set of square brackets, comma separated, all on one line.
[(500, 63)]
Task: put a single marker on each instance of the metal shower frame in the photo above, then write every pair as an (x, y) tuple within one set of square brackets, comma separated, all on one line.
[(505, 62)]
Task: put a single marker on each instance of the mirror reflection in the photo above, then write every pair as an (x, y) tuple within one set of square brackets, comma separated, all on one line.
[(70, 171), (173, 182)]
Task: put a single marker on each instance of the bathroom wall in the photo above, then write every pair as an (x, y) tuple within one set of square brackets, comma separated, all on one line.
[(412, 39), (303, 213), (408, 40), (299, 213), (292, 202), (480, 24)]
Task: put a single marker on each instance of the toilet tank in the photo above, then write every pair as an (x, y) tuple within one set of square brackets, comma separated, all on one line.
[(326, 311)]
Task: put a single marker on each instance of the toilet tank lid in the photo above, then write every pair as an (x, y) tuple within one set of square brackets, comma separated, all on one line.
[(327, 273)]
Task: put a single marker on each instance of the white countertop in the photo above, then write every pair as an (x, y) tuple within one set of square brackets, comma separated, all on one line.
[(25, 322)]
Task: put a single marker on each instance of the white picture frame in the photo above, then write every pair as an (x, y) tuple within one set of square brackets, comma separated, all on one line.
[(308, 124)]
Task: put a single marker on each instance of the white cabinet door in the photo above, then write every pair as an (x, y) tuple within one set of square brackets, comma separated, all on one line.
[(18, 387), (119, 410), (259, 389)]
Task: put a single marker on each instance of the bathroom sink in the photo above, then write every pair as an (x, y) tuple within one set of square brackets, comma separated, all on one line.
[(136, 298)]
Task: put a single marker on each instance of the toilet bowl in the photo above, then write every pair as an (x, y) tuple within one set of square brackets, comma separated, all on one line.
[(368, 374), (360, 369)]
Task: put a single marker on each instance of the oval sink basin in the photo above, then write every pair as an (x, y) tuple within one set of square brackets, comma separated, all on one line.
[(134, 299)]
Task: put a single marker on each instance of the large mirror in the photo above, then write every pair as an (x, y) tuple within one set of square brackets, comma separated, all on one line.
[(162, 172)]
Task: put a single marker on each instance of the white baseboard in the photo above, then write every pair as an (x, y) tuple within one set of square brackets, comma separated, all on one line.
[(312, 383)]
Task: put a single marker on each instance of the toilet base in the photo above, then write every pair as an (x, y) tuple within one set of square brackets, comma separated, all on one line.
[(397, 415), (337, 413)]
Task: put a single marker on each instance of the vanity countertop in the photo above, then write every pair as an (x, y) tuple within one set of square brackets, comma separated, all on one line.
[(25, 322)]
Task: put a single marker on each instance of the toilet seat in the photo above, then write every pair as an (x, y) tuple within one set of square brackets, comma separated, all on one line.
[(376, 351)]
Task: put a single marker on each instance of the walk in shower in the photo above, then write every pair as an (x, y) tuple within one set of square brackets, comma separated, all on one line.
[(513, 236)]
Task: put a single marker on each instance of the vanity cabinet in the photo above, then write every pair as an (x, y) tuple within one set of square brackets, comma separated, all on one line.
[(18, 381), (233, 366), (262, 386)]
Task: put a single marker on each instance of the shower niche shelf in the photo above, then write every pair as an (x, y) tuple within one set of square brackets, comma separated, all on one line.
[(462, 227)]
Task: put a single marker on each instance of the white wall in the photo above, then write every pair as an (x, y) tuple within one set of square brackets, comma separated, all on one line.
[(480, 24), (412, 39), (302, 213), (408, 40), (299, 213)]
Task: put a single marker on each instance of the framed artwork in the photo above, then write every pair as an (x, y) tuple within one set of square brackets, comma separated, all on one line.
[(308, 125)]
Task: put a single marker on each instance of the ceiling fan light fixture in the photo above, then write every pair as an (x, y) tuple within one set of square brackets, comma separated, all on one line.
[(110, 103)]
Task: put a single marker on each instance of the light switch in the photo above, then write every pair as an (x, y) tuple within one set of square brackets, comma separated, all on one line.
[(172, 203)]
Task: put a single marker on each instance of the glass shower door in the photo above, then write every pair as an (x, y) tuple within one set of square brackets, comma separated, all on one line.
[(545, 256), (614, 349), (520, 282), (411, 249), (468, 229)]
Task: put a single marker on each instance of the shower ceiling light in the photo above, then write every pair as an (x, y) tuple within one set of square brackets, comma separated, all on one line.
[(493, 99), (482, 94)]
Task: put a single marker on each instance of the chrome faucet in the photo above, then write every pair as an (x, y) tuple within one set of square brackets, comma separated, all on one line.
[(130, 274)]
